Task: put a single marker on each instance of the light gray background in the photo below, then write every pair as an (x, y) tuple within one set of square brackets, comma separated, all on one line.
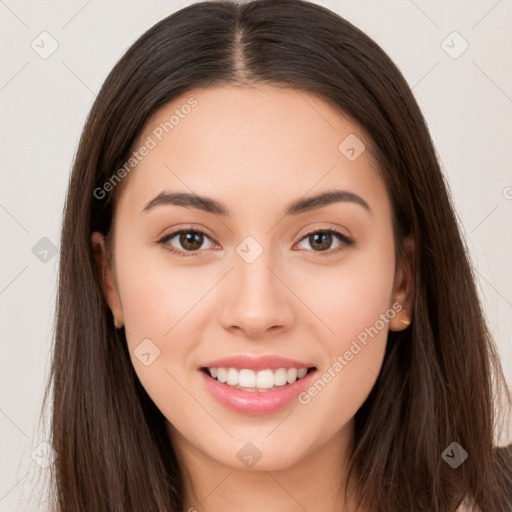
[(467, 102)]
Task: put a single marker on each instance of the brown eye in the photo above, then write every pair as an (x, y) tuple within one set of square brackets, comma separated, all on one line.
[(188, 240), (322, 240), (191, 240)]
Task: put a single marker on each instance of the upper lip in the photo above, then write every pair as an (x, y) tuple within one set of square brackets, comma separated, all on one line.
[(256, 363)]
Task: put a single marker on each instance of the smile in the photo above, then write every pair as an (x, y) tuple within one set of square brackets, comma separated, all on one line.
[(262, 380), (249, 392)]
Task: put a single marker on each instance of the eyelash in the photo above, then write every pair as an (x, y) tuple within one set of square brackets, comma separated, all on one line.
[(345, 242)]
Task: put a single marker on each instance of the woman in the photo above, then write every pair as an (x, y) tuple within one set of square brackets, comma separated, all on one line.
[(264, 299)]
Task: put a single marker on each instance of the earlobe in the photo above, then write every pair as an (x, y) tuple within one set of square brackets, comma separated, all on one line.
[(107, 281), (403, 292), (400, 321)]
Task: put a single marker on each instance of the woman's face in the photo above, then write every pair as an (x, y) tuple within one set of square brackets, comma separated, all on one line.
[(252, 276)]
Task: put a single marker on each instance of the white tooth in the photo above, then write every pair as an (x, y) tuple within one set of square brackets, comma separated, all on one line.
[(247, 378), (280, 377), (261, 380), (265, 379), (291, 375), (232, 377), (222, 375)]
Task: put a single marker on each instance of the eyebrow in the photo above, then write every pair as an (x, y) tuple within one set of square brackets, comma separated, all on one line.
[(296, 207)]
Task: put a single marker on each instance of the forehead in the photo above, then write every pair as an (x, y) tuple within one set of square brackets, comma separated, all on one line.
[(250, 142)]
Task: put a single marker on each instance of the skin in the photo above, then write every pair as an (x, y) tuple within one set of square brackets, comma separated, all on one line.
[(256, 149)]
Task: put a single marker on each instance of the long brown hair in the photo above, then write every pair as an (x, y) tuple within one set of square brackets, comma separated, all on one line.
[(440, 377)]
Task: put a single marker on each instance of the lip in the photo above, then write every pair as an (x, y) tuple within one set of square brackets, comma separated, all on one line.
[(256, 363), (256, 402)]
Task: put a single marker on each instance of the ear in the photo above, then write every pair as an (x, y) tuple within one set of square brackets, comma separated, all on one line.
[(106, 273), (403, 291)]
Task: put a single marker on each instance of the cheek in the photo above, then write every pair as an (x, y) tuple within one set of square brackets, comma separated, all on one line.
[(352, 298), (355, 305), (157, 295), (160, 310), (159, 314)]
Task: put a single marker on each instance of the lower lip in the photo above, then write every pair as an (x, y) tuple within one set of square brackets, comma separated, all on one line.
[(256, 402)]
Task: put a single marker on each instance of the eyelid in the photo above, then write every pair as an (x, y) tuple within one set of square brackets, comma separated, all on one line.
[(324, 229), (186, 227)]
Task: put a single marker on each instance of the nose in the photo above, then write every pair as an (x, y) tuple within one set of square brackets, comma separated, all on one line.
[(258, 300)]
